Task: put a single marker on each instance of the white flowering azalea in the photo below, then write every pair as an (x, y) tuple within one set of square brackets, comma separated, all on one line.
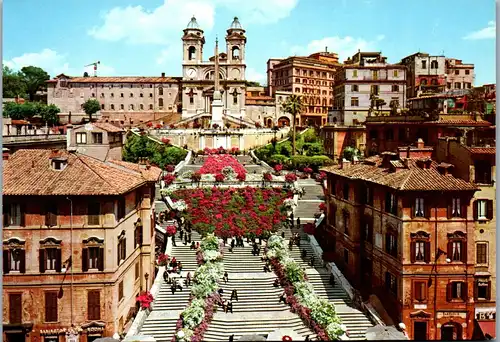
[(167, 191), (184, 334), (289, 203), (229, 172), (253, 177), (211, 255), (180, 205), (336, 331), (193, 315), (187, 175)]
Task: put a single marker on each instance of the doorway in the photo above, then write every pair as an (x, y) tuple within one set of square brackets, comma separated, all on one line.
[(15, 337), (451, 332), (420, 331)]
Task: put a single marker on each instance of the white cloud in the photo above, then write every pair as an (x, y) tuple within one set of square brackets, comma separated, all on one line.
[(254, 75), (489, 32), (54, 63), (344, 46), (163, 25)]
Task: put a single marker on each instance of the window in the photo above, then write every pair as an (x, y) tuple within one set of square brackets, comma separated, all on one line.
[(420, 291), (235, 98), (120, 290), (137, 271), (458, 85), (96, 138), (122, 247), (455, 209), (481, 253), (395, 88), (424, 64), (121, 95), (112, 95), (483, 209), (102, 106), (150, 107), (456, 290), (141, 106), (367, 228), (50, 214), (391, 243), (482, 289), (93, 213), (138, 233), (191, 99), (354, 88), (15, 308), (355, 73), (50, 259), (141, 95), (14, 214), (112, 107), (345, 191), (391, 283), (482, 172), (434, 64), (122, 106), (354, 102), (94, 305), (457, 247), (150, 94), (93, 254), (467, 72), (395, 73), (419, 207), (457, 72), (14, 256), (375, 74), (81, 138), (160, 102), (347, 220), (374, 90), (50, 255), (391, 203), (51, 306), (420, 247)]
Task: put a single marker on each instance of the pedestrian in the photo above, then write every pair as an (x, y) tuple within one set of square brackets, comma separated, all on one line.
[(226, 277), (172, 288), (221, 292), (181, 233), (229, 307), (165, 276), (312, 261), (185, 239), (234, 295), (224, 240), (290, 244), (179, 265), (260, 240), (231, 249), (307, 338), (276, 282), (231, 338), (174, 262), (232, 243), (298, 222), (283, 235), (304, 254), (266, 268), (189, 236), (282, 298), (224, 306), (178, 285), (192, 245), (197, 245), (173, 241), (332, 280), (188, 279)]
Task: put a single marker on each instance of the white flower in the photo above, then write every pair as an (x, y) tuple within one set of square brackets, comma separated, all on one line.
[(343, 327), (208, 177), (289, 203), (180, 205), (180, 334)]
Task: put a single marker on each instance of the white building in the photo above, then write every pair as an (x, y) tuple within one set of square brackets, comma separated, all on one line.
[(364, 74)]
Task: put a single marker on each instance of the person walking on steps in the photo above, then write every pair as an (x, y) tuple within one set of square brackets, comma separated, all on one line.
[(276, 282), (172, 288), (298, 222), (234, 295), (291, 219), (283, 235), (181, 233), (231, 338), (173, 241), (192, 245), (225, 277), (312, 261), (188, 279), (232, 243), (229, 307), (332, 280), (283, 298)]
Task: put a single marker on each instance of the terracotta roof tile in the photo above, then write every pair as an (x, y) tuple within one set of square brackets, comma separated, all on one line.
[(482, 150), (29, 172), (410, 178), (106, 126), (151, 174)]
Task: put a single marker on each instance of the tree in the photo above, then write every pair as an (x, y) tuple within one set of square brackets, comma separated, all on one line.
[(25, 111), (13, 85), (91, 106), (34, 80), (252, 84), (293, 106), (49, 113)]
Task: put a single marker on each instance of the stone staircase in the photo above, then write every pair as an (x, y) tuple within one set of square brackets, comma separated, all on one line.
[(258, 310), (161, 322), (356, 321)]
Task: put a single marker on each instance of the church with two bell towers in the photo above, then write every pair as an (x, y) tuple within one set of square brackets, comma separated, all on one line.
[(222, 75)]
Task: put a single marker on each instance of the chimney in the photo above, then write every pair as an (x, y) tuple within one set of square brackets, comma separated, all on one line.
[(69, 131), (445, 168), (420, 143), (344, 163), (142, 163), (387, 157), (162, 74), (408, 149), (6, 153)]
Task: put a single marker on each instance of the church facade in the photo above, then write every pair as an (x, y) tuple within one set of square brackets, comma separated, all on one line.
[(198, 75)]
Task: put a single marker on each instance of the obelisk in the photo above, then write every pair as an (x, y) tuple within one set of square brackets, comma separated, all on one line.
[(217, 104)]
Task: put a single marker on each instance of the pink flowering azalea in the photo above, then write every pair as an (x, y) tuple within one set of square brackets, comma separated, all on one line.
[(169, 179), (166, 141), (171, 230), (215, 163), (322, 207), (219, 177), (169, 168), (278, 167), (145, 299), (290, 177), (308, 170), (268, 176)]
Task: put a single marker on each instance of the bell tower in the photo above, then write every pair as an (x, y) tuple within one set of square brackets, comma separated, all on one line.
[(193, 41), (235, 43)]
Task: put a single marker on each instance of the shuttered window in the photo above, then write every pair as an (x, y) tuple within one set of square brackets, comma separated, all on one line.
[(94, 305), (94, 213), (51, 215), (14, 260), (15, 308), (51, 306), (93, 258)]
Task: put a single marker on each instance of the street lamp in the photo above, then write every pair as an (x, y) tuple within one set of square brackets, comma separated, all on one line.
[(71, 254), (146, 276)]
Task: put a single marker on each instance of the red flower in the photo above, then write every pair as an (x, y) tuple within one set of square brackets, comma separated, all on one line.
[(172, 126), (215, 163), (258, 125), (169, 179), (171, 230), (268, 176), (322, 206), (278, 167), (149, 124), (163, 259), (196, 177), (169, 168), (219, 177), (308, 170), (241, 177), (290, 177), (158, 126), (215, 126), (145, 299), (166, 141)]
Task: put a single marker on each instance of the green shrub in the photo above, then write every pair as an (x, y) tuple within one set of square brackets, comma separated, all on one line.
[(278, 159), (314, 149)]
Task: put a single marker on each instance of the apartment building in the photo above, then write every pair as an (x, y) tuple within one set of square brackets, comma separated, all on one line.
[(77, 244), (100, 140), (267, 110), (459, 75), (366, 84), (401, 228), (122, 98), (425, 74), (310, 77)]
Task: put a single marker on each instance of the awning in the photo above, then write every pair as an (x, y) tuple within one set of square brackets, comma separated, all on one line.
[(488, 328)]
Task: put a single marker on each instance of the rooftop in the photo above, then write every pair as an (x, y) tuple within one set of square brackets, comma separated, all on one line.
[(402, 174), (29, 172), (105, 126), (118, 79)]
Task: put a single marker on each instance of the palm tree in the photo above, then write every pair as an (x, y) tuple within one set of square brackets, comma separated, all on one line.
[(293, 106)]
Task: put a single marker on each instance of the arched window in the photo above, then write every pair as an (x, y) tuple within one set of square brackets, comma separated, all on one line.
[(112, 107), (420, 247), (141, 106), (434, 64), (423, 82), (122, 107), (131, 107), (391, 241), (160, 91), (191, 53), (150, 107), (235, 52), (160, 103), (434, 81)]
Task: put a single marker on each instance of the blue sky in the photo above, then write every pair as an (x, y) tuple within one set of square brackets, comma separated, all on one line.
[(142, 37)]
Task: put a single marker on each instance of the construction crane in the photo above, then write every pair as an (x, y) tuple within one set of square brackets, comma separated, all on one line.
[(95, 67)]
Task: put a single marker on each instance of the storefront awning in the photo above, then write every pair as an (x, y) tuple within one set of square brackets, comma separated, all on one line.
[(488, 328)]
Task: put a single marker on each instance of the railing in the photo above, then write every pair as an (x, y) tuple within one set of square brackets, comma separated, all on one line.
[(27, 138)]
